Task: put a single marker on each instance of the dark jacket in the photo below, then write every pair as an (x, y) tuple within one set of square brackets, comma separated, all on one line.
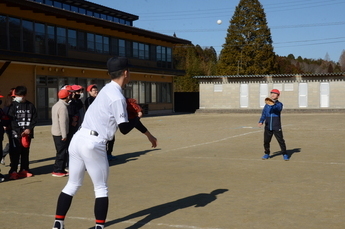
[(88, 101), (271, 116), (23, 116)]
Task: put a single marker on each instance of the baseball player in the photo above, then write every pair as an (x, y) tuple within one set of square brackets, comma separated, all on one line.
[(271, 117), (87, 149)]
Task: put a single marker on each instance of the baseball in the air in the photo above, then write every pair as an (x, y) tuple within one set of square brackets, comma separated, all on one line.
[(219, 22)]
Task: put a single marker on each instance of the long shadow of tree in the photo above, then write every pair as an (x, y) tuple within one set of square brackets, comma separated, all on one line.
[(289, 152), (198, 200)]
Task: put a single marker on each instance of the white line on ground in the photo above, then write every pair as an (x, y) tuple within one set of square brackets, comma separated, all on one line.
[(91, 219), (207, 143)]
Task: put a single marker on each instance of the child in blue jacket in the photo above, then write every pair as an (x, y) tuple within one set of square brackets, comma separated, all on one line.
[(271, 117)]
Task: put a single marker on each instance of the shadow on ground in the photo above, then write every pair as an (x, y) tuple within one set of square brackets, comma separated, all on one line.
[(289, 152), (127, 157), (198, 200)]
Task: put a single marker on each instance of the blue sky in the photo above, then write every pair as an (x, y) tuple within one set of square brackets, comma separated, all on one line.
[(306, 28)]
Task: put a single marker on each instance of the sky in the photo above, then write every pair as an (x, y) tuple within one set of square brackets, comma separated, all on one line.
[(307, 28)]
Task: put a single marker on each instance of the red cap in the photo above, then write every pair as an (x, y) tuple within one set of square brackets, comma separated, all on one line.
[(76, 87), (67, 87), (276, 91), (89, 88), (13, 93), (63, 94), (1, 96)]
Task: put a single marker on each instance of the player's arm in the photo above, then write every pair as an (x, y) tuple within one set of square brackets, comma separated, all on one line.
[(126, 127), (263, 117)]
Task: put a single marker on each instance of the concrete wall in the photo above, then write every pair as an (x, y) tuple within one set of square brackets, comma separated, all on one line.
[(225, 94)]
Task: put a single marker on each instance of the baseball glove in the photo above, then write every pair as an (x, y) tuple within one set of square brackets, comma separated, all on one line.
[(269, 101)]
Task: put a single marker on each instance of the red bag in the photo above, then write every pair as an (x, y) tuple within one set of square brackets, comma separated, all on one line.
[(26, 141)]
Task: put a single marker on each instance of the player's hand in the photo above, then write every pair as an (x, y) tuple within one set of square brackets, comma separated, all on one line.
[(259, 124), (26, 132), (152, 139), (63, 139)]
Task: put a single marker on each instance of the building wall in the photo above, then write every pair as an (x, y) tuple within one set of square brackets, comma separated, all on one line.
[(219, 94), (44, 78), (18, 75)]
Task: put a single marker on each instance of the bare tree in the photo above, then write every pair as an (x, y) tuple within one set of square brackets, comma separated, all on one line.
[(342, 61)]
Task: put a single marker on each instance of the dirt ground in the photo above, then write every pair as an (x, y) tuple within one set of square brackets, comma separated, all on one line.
[(207, 173)]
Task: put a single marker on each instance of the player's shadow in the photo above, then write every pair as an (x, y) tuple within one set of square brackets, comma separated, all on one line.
[(198, 200), (289, 152), (127, 157)]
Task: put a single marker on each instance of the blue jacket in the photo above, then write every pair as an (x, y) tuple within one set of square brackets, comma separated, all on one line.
[(271, 116)]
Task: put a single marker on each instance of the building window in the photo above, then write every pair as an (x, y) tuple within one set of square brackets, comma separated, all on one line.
[(106, 45), (99, 44), (122, 47), (67, 7), (103, 16), (153, 92), (51, 40), (159, 53), (147, 92), (61, 41), (96, 15), (82, 11), (169, 58), (114, 46), (90, 42), (75, 9), (147, 52), (72, 39), (14, 30), (135, 90), (89, 13), (81, 44), (3, 32), (135, 49), (141, 51), (58, 4), (28, 36), (40, 38), (110, 18), (49, 2)]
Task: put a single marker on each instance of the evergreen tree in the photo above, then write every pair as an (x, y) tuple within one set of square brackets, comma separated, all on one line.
[(196, 61), (248, 46)]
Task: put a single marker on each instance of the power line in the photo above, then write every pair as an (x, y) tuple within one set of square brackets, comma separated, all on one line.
[(186, 15), (271, 27)]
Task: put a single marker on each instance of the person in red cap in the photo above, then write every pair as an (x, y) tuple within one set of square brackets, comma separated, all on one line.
[(75, 109), (271, 116), (23, 116), (59, 130), (93, 91)]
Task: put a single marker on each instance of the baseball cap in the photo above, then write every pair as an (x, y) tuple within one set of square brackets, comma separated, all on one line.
[(63, 93), (67, 87), (1, 96), (118, 63), (89, 88), (276, 91), (76, 87)]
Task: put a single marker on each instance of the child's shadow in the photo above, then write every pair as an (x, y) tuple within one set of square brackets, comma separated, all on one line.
[(198, 200), (289, 152), (127, 157)]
